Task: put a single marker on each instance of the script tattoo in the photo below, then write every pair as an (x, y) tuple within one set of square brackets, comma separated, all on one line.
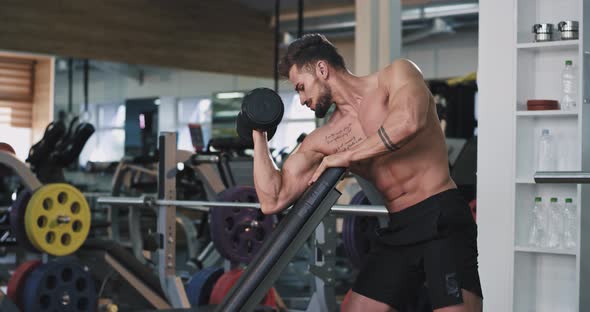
[(348, 144), (339, 135), (343, 138)]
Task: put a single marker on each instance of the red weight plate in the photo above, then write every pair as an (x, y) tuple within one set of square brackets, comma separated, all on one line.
[(228, 280), (344, 304), (17, 281)]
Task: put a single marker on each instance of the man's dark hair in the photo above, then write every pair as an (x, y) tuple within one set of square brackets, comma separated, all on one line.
[(308, 50)]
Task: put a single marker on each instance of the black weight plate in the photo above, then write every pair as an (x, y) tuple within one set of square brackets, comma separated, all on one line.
[(358, 233), (238, 233), (60, 285), (262, 108), (17, 219), (245, 133), (199, 287)]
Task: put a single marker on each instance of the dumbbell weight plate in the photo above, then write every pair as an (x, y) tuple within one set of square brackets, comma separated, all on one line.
[(245, 133), (57, 219), (262, 108)]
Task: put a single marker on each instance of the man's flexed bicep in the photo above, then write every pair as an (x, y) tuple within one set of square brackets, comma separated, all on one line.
[(276, 189)]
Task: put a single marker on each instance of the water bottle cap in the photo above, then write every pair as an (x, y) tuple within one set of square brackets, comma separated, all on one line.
[(538, 199), (569, 62), (553, 199), (545, 132), (568, 200)]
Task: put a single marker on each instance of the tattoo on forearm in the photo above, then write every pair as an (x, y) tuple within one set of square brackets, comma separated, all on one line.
[(387, 141)]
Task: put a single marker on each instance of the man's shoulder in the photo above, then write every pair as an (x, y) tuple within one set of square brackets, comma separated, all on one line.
[(399, 73), (401, 68)]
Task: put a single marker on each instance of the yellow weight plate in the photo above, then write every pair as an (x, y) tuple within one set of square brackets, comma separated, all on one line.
[(57, 219)]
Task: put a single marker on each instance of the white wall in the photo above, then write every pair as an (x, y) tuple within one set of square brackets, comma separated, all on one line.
[(444, 56), (495, 149), (108, 87), (440, 57)]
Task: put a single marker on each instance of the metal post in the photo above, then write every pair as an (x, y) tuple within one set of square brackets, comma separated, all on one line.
[(70, 84), (300, 19), (277, 40), (86, 73), (171, 284), (324, 262)]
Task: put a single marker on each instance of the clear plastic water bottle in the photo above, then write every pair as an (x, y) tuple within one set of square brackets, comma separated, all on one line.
[(554, 224), (569, 84), (570, 226), (538, 224), (546, 156)]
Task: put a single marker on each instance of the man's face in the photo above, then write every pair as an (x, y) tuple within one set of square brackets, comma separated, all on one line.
[(313, 92)]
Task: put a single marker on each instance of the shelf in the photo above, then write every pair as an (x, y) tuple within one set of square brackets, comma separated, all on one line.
[(551, 45), (529, 180), (567, 177), (546, 113), (545, 250)]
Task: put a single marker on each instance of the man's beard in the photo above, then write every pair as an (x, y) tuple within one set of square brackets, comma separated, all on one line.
[(324, 102)]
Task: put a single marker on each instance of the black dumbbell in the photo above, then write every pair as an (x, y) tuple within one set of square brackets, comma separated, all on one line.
[(262, 109)]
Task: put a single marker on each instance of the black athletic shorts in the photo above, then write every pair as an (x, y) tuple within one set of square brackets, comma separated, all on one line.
[(432, 243)]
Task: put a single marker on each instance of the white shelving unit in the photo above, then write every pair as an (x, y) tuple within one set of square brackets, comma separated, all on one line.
[(549, 279)]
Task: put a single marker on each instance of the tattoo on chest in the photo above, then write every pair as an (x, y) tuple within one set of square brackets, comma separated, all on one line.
[(344, 139)]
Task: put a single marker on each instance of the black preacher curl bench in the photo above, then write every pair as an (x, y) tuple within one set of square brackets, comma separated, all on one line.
[(290, 235)]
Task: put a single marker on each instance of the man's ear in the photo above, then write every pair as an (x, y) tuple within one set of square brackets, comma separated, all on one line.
[(321, 70)]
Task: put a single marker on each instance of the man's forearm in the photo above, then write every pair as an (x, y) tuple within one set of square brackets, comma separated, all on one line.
[(267, 177), (388, 139)]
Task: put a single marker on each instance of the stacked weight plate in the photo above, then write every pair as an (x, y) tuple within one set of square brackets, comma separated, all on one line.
[(53, 219), (238, 233), (358, 233)]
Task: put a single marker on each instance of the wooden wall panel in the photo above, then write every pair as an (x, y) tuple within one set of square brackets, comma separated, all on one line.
[(16, 114), (43, 97), (217, 35)]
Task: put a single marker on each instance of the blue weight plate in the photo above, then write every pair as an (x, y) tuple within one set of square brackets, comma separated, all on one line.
[(358, 233), (17, 219), (238, 233), (60, 285), (199, 287)]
